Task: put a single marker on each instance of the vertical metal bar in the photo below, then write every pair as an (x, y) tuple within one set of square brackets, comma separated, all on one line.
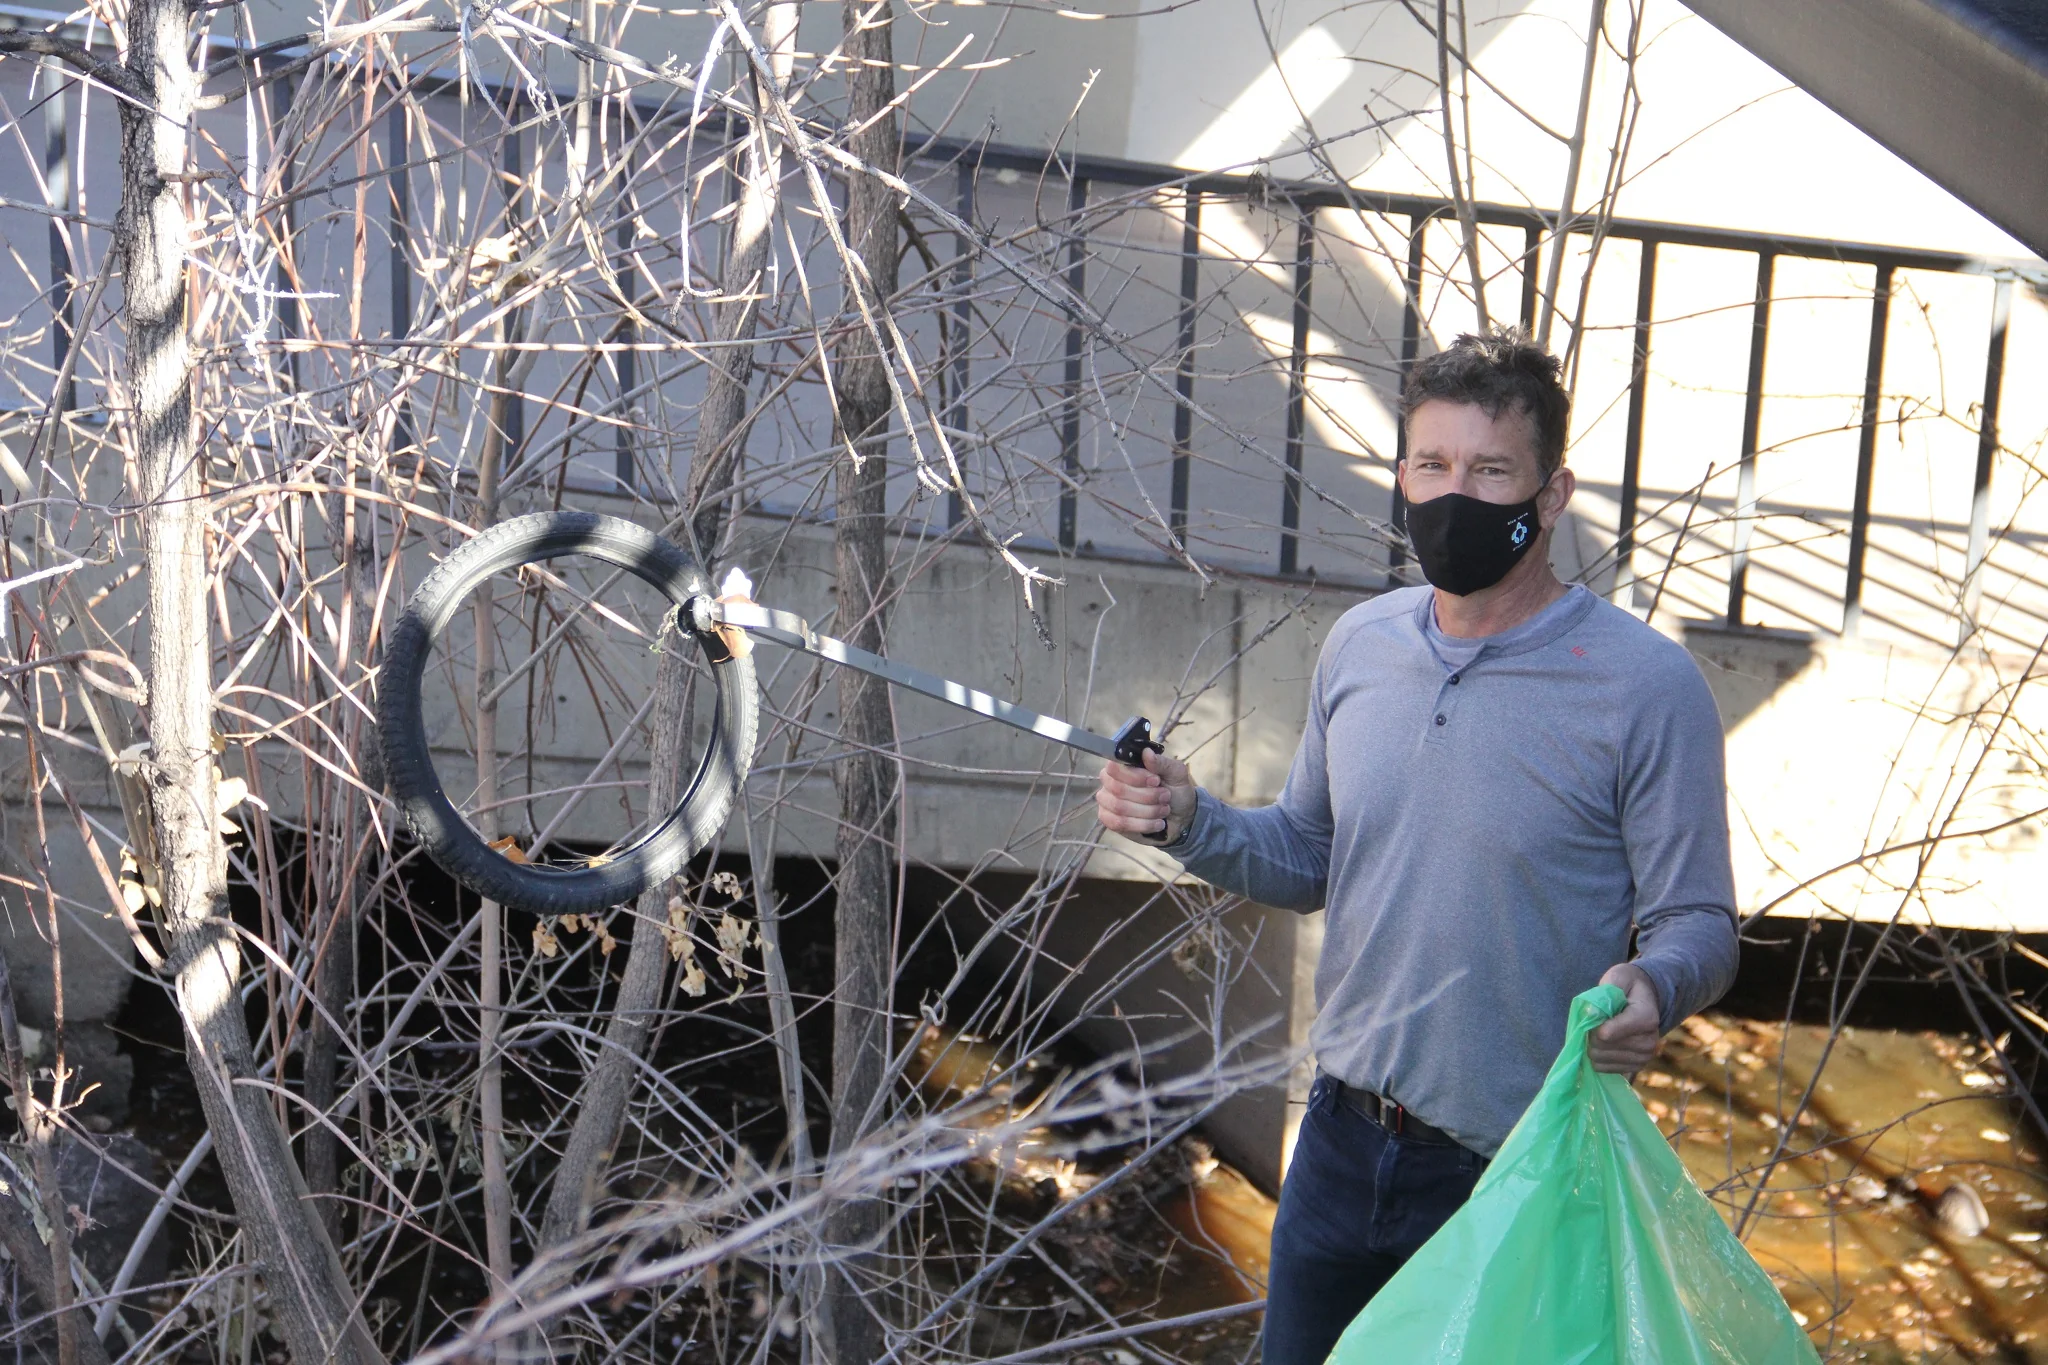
[(626, 275), (1184, 373), (1866, 451), (1297, 392), (1987, 454), (626, 368), (1411, 346), (1752, 414), (1632, 449), (1532, 240), (57, 191), (1070, 418), (514, 162), (285, 273), (397, 151), (963, 312)]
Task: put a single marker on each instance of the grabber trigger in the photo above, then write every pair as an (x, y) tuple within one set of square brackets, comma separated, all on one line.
[(1132, 739)]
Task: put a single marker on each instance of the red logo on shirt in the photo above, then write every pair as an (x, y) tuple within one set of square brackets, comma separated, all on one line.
[(1578, 651)]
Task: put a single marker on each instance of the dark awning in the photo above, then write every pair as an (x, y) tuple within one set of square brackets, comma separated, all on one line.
[(1959, 88)]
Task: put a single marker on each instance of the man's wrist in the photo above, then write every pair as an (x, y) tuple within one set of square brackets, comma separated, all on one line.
[(1627, 976), (1658, 995), (1187, 828)]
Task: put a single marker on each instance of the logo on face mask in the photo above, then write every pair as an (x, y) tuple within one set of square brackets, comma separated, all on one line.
[(1520, 533)]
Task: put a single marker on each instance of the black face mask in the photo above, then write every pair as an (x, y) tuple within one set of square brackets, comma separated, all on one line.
[(1466, 545)]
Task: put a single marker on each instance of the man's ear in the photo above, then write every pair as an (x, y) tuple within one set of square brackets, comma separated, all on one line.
[(1401, 477), (1555, 496)]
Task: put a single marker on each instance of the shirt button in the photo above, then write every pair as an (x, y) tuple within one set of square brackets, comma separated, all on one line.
[(1441, 718), (1454, 680)]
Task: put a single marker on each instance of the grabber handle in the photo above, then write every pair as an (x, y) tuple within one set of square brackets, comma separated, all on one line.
[(1132, 739)]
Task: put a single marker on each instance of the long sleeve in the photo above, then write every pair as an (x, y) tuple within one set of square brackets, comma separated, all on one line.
[(1277, 855), (1674, 817)]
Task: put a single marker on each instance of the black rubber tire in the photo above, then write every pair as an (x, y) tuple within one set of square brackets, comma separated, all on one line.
[(449, 839)]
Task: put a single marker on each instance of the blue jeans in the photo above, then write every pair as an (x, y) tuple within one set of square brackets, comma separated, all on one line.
[(1358, 1201)]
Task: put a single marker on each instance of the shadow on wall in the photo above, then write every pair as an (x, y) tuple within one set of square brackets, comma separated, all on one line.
[(1746, 668)]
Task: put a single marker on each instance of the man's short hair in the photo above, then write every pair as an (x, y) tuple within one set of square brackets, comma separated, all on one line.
[(1499, 370)]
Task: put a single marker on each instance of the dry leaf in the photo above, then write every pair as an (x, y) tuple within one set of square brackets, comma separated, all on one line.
[(733, 934), (497, 250), (509, 846), (137, 888), (544, 941), (727, 885), (677, 931)]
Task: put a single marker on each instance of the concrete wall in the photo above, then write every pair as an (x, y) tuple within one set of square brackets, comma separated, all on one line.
[(1873, 780)]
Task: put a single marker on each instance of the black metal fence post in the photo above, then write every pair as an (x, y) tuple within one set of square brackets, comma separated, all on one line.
[(514, 163), (1987, 454), (1638, 398), (1411, 347), (963, 312), (397, 152), (1752, 414), (1070, 416), (1532, 250), (286, 276), (64, 267), (1297, 392), (1866, 452), (1184, 371), (626, 369)]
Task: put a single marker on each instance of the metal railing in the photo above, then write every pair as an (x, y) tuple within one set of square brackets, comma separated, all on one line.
[(1307, 200)]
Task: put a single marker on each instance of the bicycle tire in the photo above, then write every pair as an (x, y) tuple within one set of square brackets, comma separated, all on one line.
[(441, 831)]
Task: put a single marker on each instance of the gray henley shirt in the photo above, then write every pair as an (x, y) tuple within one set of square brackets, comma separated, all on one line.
[(1485, 822)]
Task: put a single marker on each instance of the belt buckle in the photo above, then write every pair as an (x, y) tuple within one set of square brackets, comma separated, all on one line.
[(1387, 1107)]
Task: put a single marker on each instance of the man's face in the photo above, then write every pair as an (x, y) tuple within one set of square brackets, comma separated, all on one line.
[(1459, 448)]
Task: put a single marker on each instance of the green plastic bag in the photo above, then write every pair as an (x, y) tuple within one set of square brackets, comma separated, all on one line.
[(1585, 1243)]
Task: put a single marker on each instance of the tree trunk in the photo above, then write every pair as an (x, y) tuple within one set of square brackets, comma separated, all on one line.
[(720, 437), (310, 1296), (867, 777), (721, 426), (490, 1085), (334, 976)]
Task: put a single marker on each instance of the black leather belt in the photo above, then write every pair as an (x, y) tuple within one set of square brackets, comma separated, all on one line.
[(1390, 1115)]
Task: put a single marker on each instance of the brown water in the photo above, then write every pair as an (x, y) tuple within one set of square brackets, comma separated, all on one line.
[(1849, 1226), (1842, 1213)]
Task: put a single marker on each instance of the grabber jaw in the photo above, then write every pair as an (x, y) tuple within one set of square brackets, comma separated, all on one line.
[(720, 641)]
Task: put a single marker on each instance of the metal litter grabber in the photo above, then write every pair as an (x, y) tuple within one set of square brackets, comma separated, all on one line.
[(721, 626)]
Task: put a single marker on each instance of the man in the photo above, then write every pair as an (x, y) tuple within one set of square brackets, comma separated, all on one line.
[(1501, 776)]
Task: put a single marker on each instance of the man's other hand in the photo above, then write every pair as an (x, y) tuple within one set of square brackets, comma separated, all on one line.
[(1143, 802), (1626, 1043)]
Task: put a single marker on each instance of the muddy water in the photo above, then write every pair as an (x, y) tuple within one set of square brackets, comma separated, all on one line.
[(1855, 1201), (1860, 1203)]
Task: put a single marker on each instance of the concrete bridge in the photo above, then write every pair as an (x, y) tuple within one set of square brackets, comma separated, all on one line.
[(1819, 554), (1837, 748)]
